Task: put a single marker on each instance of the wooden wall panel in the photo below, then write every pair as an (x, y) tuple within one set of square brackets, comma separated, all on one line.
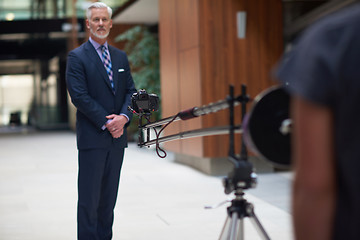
[(206, 30), (187, 24), (190, 95), (189, 71), (218, 41), (264, 41), (169, 67), (226, 60)]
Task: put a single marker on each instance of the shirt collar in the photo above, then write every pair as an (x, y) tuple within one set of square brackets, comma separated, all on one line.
[(96, 44)]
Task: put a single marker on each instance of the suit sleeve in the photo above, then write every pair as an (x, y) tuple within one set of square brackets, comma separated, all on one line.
[(77, 87)]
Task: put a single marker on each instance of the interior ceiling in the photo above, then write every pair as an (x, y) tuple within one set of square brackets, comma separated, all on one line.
[(141, 11), (33, 39)]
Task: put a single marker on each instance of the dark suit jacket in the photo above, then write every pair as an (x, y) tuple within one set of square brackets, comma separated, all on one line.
[(91, 93)]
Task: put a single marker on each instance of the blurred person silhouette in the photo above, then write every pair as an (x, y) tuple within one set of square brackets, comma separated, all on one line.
[(100, 85), (322, 75)]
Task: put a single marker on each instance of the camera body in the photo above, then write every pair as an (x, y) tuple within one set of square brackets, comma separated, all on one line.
[(143, 102)]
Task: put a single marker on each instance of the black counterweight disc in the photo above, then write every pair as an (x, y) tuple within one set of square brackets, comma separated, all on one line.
[(267, 129)]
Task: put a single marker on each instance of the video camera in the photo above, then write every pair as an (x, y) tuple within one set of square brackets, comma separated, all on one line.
[(143, 102)]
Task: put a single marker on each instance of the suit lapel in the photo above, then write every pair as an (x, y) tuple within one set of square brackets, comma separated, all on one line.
[(94, 57)]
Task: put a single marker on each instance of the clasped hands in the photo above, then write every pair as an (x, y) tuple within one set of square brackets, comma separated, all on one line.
[(116, 125)]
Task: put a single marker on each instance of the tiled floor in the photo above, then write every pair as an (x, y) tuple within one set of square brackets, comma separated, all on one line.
[(158, 199)]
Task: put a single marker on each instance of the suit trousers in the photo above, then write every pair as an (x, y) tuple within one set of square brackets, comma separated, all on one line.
[(98, 182)]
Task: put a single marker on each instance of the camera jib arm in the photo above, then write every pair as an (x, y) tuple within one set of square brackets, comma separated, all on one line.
[(242, 175), (240, 178)]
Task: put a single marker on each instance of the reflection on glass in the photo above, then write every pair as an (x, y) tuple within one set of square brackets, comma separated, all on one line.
[(47, 9)]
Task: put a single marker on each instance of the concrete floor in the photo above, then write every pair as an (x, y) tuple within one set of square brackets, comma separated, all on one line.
[(158, 199)]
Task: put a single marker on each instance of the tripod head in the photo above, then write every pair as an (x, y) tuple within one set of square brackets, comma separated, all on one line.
[(240, 178)]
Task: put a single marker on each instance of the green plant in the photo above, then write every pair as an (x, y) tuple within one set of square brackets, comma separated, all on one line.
[(142, 48)]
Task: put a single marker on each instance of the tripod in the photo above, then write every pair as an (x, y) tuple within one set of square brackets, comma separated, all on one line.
[(234, 225), (242, 177)]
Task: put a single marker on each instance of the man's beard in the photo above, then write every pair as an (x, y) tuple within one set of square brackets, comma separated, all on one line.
[(98, 35)]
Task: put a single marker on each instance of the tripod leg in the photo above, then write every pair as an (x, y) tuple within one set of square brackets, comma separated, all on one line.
[(255, 221), (233, 228), (240, 234), (234, 225), (226, 229)]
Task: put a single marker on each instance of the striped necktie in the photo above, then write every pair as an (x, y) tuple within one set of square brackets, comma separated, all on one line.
[(107, 65)]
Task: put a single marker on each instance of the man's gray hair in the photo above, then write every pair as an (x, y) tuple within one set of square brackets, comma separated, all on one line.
[(98, 5)]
